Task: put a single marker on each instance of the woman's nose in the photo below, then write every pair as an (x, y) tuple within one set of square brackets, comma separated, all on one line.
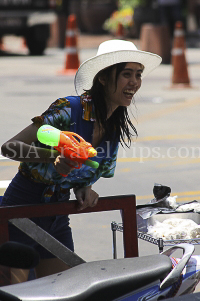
[(133, 81)]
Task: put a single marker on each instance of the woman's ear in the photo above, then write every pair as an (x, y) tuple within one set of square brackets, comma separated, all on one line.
[(102, 79)]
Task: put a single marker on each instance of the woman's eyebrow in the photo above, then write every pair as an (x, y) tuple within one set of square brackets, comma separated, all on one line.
[(132, 70)]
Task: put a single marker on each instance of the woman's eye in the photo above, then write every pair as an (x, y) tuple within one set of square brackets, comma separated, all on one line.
[(127, 74)]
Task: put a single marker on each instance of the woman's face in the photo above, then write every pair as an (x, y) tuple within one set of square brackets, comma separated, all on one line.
[(128, 83)]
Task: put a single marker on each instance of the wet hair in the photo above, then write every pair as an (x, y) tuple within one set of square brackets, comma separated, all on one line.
[(119, 125)]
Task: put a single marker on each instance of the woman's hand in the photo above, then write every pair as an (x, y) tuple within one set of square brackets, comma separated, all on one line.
[(86, 197), (64, 165)]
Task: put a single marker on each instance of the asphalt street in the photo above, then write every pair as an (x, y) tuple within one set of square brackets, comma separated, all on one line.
[(166, 151)]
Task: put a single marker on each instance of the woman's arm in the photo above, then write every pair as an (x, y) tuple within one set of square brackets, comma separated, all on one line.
[(22, 148)]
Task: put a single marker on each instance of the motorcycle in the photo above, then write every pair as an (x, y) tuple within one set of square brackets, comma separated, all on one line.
[(153, 277)]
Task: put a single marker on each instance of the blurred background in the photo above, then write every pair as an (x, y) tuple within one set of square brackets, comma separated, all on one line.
[(42, 23)]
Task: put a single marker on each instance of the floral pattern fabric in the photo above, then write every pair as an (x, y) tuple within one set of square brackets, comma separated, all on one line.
[(75, 114)]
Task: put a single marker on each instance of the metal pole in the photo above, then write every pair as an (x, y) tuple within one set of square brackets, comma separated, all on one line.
[(160, 245), (114, 240)]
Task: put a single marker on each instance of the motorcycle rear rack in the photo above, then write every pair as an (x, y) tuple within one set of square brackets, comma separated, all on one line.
[(144, 236)]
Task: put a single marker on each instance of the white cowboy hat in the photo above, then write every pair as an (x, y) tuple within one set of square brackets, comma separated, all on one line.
[(109, 53)]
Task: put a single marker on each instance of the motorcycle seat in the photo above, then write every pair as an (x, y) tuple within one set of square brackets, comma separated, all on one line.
[(98, 280)]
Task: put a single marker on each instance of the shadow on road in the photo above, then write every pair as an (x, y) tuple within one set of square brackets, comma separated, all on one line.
[(7, 53)]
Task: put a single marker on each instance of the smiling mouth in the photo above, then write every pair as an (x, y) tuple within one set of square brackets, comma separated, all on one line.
[(129, 93)]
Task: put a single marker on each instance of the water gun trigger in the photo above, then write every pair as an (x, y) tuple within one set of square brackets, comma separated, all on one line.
[(77, 166)]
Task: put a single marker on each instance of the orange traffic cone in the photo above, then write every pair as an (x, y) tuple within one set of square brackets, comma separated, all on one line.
[(180, 71), (1, 44), (120, 31), (72, 61), (23, 44)]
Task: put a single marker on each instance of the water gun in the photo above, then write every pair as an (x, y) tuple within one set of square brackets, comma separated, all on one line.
[(70, 144)]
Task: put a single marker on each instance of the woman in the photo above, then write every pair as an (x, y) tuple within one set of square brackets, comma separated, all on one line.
[(106, 85)]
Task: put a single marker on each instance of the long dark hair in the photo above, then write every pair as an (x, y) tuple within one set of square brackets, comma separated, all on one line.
[(119, 125)]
